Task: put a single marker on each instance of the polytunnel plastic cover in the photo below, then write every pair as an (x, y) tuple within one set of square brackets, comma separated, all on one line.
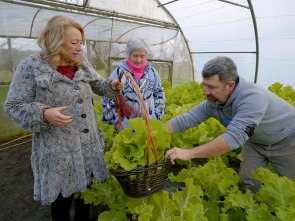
[(107, 25), (183, 34)]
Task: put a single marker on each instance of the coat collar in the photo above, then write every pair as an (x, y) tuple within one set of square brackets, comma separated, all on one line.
[(45, 74)]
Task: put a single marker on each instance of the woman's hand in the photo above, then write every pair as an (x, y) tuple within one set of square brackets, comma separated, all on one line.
[(54, 116), (117, 85)]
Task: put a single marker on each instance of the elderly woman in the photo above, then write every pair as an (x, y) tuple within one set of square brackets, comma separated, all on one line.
[(51, 95), (147, 79)]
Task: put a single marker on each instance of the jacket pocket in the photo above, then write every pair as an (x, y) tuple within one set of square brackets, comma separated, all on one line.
[(277, 135)]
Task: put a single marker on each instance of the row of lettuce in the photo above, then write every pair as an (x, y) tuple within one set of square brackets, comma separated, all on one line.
[(211, 187)]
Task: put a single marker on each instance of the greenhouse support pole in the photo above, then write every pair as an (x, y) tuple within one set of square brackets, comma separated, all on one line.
[(10, 55), (89, 57), (256, 39)]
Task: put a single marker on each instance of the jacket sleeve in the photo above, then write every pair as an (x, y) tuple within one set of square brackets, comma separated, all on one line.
[(21, 104), (109, 112), (159, 96), (192, 118)]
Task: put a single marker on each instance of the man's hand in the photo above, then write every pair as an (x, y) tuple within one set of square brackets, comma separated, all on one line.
[(178, 153), (215, 147)]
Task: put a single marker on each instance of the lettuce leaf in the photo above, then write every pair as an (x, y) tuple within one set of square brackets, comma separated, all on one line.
[(276, 191), (129, 150)]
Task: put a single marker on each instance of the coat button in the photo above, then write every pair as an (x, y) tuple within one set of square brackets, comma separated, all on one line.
[(85, 131), (76, 87), (83, 115), (80, 100)]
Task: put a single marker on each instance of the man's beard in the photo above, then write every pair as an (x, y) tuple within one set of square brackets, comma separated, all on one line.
[(212, 104)]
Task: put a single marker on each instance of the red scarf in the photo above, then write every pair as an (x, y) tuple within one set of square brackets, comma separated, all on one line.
[(136, 70), (67, 70)]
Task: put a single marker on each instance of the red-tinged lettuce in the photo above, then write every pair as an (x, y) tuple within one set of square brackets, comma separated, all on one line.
[(130, 148)]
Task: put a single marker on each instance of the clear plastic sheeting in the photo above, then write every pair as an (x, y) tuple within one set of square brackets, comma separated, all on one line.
[(16, 20), (217, 28), (107, 25), (147, 9)]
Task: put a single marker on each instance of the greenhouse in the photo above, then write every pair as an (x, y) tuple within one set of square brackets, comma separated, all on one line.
[(182, 35)]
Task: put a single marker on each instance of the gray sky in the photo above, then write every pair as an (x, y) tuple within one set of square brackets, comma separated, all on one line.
[(218, 26), (212, 25)]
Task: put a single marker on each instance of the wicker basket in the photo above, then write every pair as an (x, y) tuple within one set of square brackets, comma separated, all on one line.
[(148, 183), (149, 178)]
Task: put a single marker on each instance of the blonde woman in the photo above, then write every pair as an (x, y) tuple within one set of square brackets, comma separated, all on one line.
[(51, 95)]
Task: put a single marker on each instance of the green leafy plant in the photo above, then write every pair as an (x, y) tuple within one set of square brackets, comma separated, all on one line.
[(210, 193), (211, 190), (277, 191), (129, 149)]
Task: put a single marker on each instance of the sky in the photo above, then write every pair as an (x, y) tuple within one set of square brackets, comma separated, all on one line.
[(212, 26)]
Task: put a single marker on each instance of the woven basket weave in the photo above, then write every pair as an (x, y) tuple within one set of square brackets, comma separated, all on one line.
[(149, 178), (145, 184)]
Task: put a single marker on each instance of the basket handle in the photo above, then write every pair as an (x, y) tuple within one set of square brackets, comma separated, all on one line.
[(145, 114), (118, 108)]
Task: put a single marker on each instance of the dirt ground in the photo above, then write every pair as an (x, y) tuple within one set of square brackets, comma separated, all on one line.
[(16, 186), (17, 182)]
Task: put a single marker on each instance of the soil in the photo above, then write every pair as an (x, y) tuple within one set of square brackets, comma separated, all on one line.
[(17, 183)]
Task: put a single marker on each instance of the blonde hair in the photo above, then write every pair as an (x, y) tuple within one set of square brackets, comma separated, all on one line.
[(53, 36)]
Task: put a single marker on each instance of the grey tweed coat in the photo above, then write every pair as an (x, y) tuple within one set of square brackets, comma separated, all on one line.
[(63, 159)]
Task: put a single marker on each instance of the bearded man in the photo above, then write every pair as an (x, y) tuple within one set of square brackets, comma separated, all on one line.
[(254, 117)]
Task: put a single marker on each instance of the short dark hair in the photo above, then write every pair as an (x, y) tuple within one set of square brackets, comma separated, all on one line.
[(224, 66)]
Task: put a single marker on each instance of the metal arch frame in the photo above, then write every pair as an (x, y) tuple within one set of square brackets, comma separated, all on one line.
[(80, 9), (32, 24), (96, 14), (256, 38), (100, 13), (250, 7)]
